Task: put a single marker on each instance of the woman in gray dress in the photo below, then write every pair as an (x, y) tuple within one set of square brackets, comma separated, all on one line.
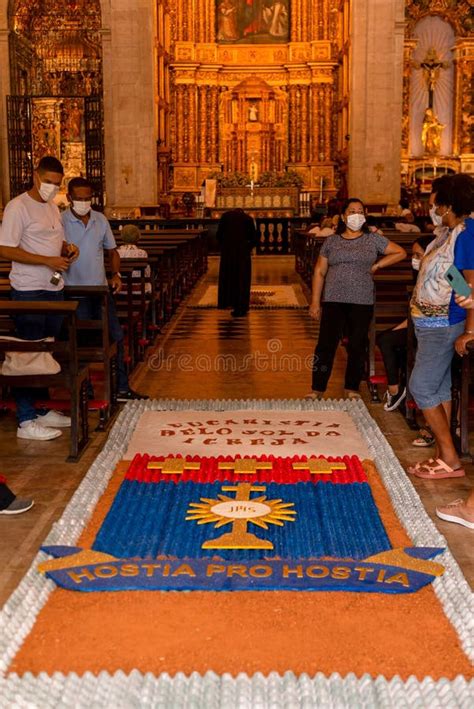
[(343, 294)]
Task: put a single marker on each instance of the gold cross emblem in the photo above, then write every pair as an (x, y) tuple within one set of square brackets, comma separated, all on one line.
[(173, 466), (319, 466), (239, 511), (245, 466)]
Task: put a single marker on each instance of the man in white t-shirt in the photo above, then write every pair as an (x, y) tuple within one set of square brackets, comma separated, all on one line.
[(32, 237)]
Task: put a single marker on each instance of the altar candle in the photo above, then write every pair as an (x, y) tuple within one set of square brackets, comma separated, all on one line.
[(435, 165), (321, 190)]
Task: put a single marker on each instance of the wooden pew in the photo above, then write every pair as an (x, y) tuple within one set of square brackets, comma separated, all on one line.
[(134, 308), (72, 376), (461, 416), (95, 346), (392, 286)]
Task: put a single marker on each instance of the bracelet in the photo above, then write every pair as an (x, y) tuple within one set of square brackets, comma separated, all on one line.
[(468, 332)]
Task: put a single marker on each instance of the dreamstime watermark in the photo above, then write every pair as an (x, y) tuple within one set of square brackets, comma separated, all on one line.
[(271, 360)]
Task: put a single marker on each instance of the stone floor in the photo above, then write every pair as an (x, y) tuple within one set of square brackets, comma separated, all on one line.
[(205, 354)]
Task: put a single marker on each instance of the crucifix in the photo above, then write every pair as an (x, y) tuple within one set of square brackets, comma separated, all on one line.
[(431, 66)]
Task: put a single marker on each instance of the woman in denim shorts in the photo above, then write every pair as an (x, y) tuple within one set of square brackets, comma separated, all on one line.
[(441, 325)]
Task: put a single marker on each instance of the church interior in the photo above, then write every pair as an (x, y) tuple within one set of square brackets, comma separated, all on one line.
[(175, 113)]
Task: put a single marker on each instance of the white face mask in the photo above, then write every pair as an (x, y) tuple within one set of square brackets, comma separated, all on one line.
[(47, 191), (415, 263), (435, 218), (81, 208), (355, 221)]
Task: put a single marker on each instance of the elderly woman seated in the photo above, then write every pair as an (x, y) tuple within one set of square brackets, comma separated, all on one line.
[(326, 228), (131, 236)]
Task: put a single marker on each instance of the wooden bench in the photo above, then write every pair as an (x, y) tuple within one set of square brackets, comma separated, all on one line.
[(135, 308), (96, 347), (462, 401), (72, 376)]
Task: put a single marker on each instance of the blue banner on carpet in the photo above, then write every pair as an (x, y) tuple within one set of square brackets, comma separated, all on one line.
[(409, 572), (220, 535)]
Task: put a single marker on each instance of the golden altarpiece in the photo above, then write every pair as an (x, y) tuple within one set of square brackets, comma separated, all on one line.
[(427, 148), (55, 106), (255, 89)]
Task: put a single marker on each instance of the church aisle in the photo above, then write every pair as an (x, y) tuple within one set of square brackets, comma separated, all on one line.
[(205, 353)]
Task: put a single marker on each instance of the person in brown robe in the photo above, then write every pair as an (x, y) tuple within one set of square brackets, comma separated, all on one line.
[(237, 236)]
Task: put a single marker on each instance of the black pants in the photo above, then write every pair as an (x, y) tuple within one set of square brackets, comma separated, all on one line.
[(393, 346), (354, 321), (6, 496)]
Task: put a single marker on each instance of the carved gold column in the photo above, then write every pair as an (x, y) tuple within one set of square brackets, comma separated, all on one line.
[(409, 47), (293, 125), (192, 121), (186, 18), (213, 104), (210, 23), (295, 16), (463, 92), (315, 118), (305, 121), (321, 122), (185, 123), (178, 122), (203, 127), (305, 27), (328, 114), (178, 21)]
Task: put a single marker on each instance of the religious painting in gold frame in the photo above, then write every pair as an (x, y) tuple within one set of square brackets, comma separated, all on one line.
[(252, 21)]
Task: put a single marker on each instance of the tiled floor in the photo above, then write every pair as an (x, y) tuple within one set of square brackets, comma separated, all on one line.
[(205, 354)]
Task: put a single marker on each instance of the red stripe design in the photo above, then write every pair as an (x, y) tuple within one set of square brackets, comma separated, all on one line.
[(282, 471)]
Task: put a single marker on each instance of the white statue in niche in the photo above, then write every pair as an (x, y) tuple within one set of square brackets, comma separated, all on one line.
[(253, 112)]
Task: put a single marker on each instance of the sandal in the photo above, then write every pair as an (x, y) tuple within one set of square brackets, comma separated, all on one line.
[(425, 440), (351, 394), (435, 469)]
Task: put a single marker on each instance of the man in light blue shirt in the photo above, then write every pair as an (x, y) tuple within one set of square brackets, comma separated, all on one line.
[(92, 234), (90, 231)]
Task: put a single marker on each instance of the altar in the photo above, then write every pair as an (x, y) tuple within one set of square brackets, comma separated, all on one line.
[(259, 202)]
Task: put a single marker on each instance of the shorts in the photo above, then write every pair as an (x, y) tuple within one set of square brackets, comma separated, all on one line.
[(430, 381)]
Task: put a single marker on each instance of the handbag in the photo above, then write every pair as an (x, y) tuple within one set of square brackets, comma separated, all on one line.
[(19, 364)]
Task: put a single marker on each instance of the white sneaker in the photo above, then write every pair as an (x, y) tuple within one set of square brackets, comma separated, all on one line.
[(54, 419), (34, 431)]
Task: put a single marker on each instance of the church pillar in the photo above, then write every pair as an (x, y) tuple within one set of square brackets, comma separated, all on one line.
[(129, 102), (376, 100)]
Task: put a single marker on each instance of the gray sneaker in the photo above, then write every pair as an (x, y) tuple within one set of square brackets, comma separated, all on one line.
[(17, 507)]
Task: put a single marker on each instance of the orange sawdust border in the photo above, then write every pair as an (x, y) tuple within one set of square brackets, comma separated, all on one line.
[(248, 632)]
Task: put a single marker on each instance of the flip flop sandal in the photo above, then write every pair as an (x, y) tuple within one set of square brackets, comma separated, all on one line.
[(412, 469), (423, 441), (435, 470)]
